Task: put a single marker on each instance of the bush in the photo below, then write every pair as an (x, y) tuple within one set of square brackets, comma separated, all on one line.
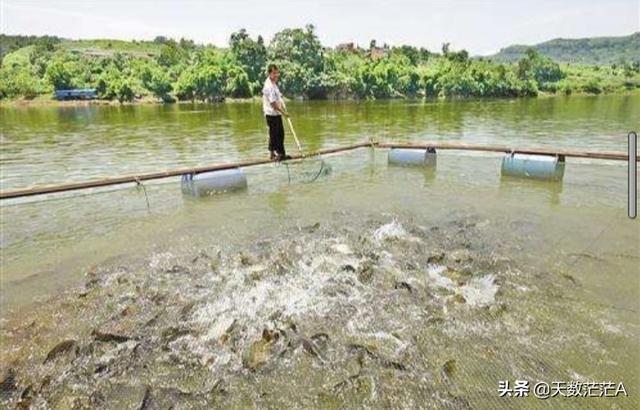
[(124, 90), (539, 68), (16, 81), (157, 81), (592, 86), (203, 82), (62, 74), (238, 85), (113, 85)]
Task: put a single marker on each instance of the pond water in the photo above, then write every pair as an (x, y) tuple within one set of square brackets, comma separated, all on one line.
[(373, 285)]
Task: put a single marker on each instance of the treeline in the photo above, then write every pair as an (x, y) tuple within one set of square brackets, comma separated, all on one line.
[(172, 70), (9, 43)]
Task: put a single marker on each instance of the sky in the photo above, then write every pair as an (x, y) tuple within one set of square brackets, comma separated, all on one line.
[(480, 26)]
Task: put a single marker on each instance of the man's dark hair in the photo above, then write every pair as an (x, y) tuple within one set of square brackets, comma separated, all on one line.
[(271, 68)]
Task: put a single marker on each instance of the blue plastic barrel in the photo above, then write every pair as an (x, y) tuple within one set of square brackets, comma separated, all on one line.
[(410, 156), (208, 183), (544, 167)]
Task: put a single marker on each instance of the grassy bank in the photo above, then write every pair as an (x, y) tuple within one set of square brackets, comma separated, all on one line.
[(166, 70)]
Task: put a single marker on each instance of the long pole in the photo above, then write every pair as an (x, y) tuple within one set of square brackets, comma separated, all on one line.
[(72, 186), (610, 155), (632, 177), (295, 137)]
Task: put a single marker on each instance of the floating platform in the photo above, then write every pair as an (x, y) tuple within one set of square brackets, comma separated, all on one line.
[(424, 157), (400, 154), (544, 167), (213, 182)]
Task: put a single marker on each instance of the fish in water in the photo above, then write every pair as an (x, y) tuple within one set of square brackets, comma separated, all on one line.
[(61, 348)]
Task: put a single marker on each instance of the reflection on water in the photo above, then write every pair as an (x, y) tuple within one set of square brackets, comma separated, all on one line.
[(549, 190)]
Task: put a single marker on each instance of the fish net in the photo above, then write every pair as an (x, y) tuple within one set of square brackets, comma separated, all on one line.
[(305, 170)]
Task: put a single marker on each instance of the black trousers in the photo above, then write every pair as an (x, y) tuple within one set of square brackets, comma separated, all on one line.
[(276, 134)]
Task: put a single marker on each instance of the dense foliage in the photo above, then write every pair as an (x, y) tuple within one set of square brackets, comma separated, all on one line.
[(167, 70)]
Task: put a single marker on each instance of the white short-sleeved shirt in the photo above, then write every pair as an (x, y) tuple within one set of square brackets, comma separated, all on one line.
[(270, 93)]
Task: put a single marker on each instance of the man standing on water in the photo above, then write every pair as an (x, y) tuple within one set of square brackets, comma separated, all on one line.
[(274, 108)]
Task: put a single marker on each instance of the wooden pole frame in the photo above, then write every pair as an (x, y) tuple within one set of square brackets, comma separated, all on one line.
[(608, 155), (72, 186)]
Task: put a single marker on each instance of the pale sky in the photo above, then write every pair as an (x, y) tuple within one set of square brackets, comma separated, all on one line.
[(480, 26)]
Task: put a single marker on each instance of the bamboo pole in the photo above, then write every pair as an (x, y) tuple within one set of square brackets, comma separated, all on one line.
[(610, 155), (72, 186), (295, 136)]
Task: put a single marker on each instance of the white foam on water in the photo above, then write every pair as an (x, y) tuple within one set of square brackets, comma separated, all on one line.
[(609, 327), (437, 279), (400, 344), (386, 259), (253, 303), (342, 248), (220, 327), (578, 377), (480, 291), (161, 260), (392, 230)]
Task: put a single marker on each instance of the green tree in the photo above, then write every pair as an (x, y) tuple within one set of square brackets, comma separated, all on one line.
[(46, 44), (62, 74), (206, 80), (250, 54), (20, 81), (171, 54), (539, 68), (237, 84), (157, 80), (185, 86), (113, 84), (298, 46), (411, 53), (294, 78), (186, 44), (210, 83), (124, 90), (160, 39), (460, 57)]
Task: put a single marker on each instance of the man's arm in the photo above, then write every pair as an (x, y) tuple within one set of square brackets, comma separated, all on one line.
[(276, 106), (274, 98)]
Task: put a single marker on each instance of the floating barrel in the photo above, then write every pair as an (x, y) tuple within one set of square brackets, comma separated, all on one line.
[(534, 166), (208, 183), (409, 156)]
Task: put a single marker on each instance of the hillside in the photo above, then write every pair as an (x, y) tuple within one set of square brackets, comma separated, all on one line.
[(594, 50), (9, 43), (95, 47)]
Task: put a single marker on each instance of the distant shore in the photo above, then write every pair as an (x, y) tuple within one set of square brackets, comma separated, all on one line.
[(46, 102), (42, 101)]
